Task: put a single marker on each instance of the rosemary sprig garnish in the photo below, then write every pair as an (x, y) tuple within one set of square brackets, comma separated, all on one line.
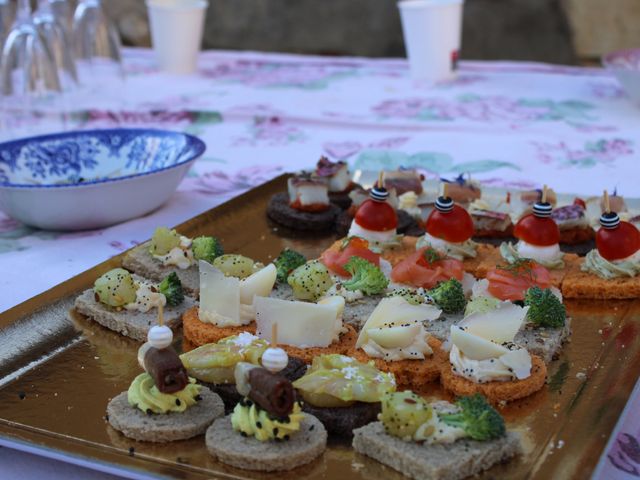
[(431, 255), (520, 268)]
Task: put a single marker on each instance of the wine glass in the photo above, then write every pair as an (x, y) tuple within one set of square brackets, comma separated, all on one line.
[(29, 82), (58, 38), (98, 55), (94, 35)]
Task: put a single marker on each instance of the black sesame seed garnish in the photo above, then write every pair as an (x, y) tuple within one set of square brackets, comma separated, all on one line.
[(312, 427), (22, 395), (178, 403), (131, 451), (258, 425)]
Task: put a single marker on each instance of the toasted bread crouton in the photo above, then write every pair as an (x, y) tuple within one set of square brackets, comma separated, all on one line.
[(497, 392)]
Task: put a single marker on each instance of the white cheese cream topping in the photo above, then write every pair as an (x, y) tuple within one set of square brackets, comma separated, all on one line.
[(514, 365), (147, 297), (380, 237), (180, 256)]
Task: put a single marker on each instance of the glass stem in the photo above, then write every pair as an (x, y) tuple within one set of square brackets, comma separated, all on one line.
[(23, 11)]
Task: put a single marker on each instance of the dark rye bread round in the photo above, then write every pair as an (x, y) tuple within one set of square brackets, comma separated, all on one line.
[(140, 261), (132, 324), (247, 453), (230, 396), (134, 423), (407, 225), (460, 459), (342, 421), (341, 199), (280, 212)]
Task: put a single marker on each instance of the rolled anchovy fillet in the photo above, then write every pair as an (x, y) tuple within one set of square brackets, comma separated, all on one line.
[(166, 369), (273, 393)]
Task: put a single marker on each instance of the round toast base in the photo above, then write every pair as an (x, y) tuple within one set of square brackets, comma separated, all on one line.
[(411, 374), (159, 428), (280, 212), (342, 421), (229, 447), (497, 392), (199, 333)]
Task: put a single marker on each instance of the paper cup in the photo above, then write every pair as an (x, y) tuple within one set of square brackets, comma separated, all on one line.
[(176, 33), (432, 33)]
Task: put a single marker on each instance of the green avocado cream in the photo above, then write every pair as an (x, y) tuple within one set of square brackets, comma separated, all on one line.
[(144, 395), (595, 263), (252, 421)]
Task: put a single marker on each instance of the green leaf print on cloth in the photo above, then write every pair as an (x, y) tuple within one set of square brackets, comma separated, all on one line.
[(435, 162)]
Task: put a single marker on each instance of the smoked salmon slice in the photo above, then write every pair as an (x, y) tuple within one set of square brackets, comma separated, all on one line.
[(513, 281), (426, 268)]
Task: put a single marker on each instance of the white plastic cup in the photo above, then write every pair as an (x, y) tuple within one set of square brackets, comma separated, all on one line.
[(432, 36), (176, 33)]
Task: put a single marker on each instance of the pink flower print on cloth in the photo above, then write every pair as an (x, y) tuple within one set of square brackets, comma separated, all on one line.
[(599, 152)]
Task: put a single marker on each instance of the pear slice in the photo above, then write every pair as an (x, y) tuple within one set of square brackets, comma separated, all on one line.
[(394, 337), (474, 347), (219, 295), (335, 301), (301, 324), (519, 361), (396, 311), (499, 325), (259, 283)]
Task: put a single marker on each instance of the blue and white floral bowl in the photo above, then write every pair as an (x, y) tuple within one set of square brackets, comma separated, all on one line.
[(90, 179)]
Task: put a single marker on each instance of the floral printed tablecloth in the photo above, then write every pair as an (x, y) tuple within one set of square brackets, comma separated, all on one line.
[(506, 123)]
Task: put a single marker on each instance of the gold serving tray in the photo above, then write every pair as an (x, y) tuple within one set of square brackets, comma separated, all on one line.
[(58, 372)]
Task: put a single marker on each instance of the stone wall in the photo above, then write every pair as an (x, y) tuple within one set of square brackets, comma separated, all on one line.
[(559, 31)]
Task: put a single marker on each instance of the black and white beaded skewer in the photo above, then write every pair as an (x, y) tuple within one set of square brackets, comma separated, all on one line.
[(543, 209), (378, 192), (609, 219), (444, 203)]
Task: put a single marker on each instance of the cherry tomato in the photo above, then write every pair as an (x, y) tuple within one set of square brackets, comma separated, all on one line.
[(455, 226), (619, 242), (538, 231), (376, 216), (581, 202)]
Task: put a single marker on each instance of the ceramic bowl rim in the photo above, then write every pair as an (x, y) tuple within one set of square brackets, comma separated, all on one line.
[(197, 144)]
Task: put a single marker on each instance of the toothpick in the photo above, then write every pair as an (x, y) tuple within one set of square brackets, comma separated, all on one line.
[(160, 315), (544, 194), (445, 187), (607, 204), (381, 179), (274, 334)]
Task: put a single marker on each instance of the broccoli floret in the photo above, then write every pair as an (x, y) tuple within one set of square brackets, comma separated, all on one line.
[(365, 276), (206, 248), (310, 281), (449, 296), (411, 296), (545, 310), (171, 288), (287, 262), (476, 417)]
